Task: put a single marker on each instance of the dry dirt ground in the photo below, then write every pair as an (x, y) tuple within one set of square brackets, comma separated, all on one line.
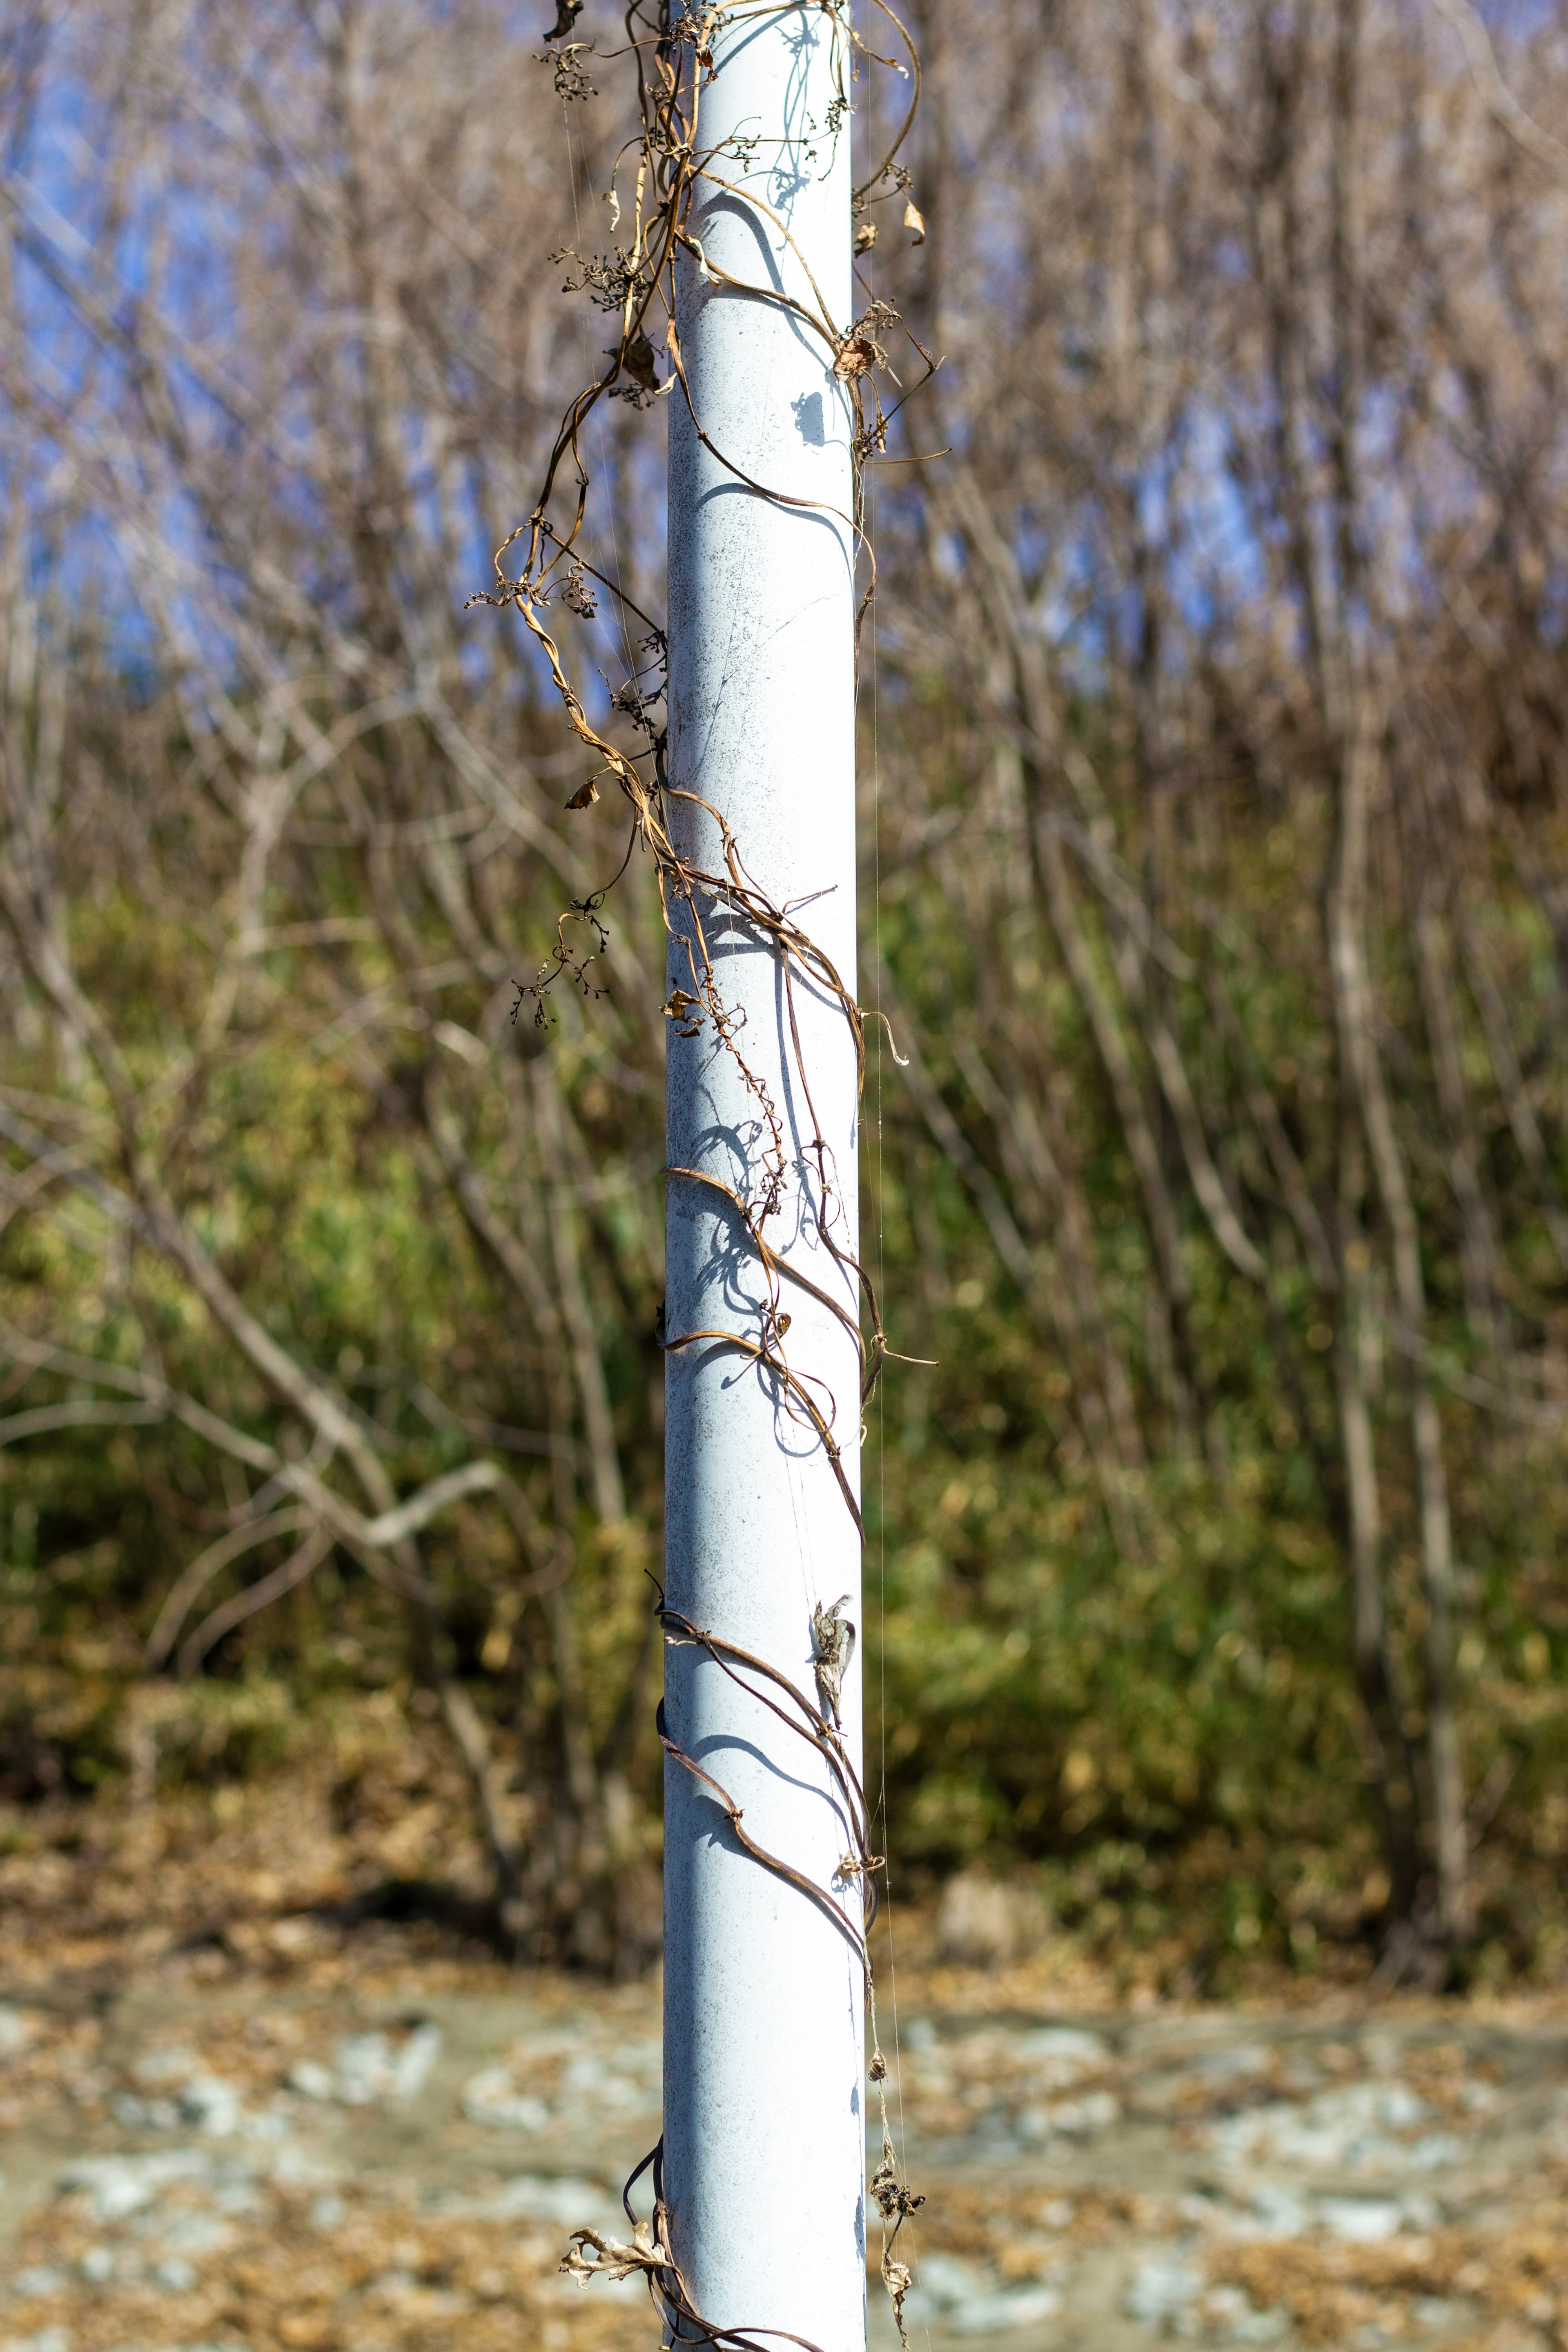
[(291, 2132)]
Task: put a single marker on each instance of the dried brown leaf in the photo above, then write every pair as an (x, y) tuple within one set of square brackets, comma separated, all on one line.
[(637, 362), (856, 354)]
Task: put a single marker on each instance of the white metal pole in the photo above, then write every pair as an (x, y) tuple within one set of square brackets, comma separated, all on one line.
[(764, 2054)]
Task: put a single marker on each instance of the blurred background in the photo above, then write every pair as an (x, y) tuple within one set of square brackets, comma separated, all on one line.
[(1215, 815)]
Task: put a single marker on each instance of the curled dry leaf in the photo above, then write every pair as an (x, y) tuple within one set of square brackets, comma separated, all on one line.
[(585, 796), (856, 354), (566, 13), (610, 2259), (916, 219), (576, 593), (865, 237), (898, 2279), (678, 1005), (833, 1645), (637, 362)]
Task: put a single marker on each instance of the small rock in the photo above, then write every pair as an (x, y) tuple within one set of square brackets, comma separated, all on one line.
[(394, 2286), (212, 2106), (362, 2069), (16, 2031), (1070, 2119), (944, 2280), (411, 2067), (311, 2079), (142, 2115), (490, 2097), (293, 2167), (1360, 2221), (967, 2303), (1282, 2212), (367, 2067), (1351, 2126), (1055, 2056), (36, 2279), (1231, 2311), (1012, 2306), (156, 2068), (119, 2185), (1162, 2290), (1061, 2042), (605, 2086), (197, 2234), (271, 2123), (1273, 2211), (1433, 2150), (1234, 2065), (569, 2202)]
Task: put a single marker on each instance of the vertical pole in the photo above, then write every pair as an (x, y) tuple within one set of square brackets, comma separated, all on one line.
[(764, 2096)]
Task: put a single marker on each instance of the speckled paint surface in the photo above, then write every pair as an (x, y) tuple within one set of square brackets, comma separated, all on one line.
[(764, 2116)]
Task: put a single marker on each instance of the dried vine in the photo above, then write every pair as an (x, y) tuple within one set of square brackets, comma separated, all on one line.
[(673, 54)]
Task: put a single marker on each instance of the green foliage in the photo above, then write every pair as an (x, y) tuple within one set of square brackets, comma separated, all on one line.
[(1146, 652), (1170, 1741)]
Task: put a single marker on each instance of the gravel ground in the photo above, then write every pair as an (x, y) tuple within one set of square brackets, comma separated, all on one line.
[(271, 2148)]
